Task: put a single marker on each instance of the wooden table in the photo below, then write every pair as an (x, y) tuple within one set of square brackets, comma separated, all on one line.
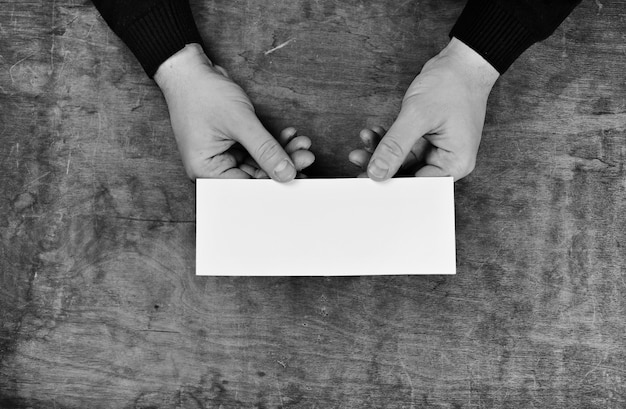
[(99, 305)]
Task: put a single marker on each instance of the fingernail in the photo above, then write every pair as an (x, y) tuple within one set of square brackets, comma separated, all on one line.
[(285, 170), (378, 168)]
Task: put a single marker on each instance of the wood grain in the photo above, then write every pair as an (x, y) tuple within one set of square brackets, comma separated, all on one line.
[(99, 305)]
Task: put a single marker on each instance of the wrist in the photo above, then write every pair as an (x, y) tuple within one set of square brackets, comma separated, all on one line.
[(478, 71), (181, 66)]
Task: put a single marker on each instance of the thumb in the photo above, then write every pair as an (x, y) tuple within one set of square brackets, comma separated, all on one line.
[(267, 152), (394, 147)]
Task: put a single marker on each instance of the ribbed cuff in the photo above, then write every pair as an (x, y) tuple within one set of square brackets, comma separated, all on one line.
[(493, 32), (161, 33)]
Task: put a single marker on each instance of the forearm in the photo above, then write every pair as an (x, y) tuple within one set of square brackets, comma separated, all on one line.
[(501, 30), (154, 30)]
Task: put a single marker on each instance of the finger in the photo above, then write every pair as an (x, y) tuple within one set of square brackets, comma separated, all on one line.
[(221, 71), (360, 158), (420, 149), (431, 171), (231, 173), (250, 170), (260, 174), (249, 160), (214, 167), (302, 159), (301, 176), (238, 152), (254, 173), (266, 151), (298, 143), (362, 175), (457, 166), (417, 154), (254, 169), (379, 130), (370, 139), (234, 173), (286, 135), (394, 148)]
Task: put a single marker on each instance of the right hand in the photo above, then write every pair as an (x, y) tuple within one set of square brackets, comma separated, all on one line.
[(216, 129), (440, 124)]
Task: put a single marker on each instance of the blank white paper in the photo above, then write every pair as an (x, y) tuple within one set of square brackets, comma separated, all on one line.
[(325, 227)]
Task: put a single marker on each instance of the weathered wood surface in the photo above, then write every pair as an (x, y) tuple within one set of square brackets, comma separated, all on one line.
[(99, 306)]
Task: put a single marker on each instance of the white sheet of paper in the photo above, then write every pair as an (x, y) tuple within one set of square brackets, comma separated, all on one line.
[(324, 227)]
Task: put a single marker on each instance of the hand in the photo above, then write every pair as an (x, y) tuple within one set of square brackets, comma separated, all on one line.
[(441, 119), (297, 147), (214, 122), (370, 139)]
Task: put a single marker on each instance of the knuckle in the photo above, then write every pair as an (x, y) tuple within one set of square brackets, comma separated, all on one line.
[(267, 150), (462, 167), (392, 146), (191, 173), (210, 168), (260, 174), (222, 162), (194, 169)]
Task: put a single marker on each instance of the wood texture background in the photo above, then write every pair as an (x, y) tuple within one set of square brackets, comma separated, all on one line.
[(99, 305)]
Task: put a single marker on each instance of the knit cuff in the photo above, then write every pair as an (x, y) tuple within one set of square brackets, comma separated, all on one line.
[(161, 33), (494, 33)]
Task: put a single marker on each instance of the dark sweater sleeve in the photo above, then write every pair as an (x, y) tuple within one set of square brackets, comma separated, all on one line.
[(154, 30), (501, 30)]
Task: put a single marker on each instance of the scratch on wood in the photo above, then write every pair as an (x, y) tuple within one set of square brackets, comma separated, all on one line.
[(593, 303), (89, 31), (600, 361), (159, 330), (72, 20), (600, 6), (36, 179), (69, 158), (280, 396), (8, 156), (138, 219), (15, 65), (268, 52), (408, 376), (52, 45), (62, 66)]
